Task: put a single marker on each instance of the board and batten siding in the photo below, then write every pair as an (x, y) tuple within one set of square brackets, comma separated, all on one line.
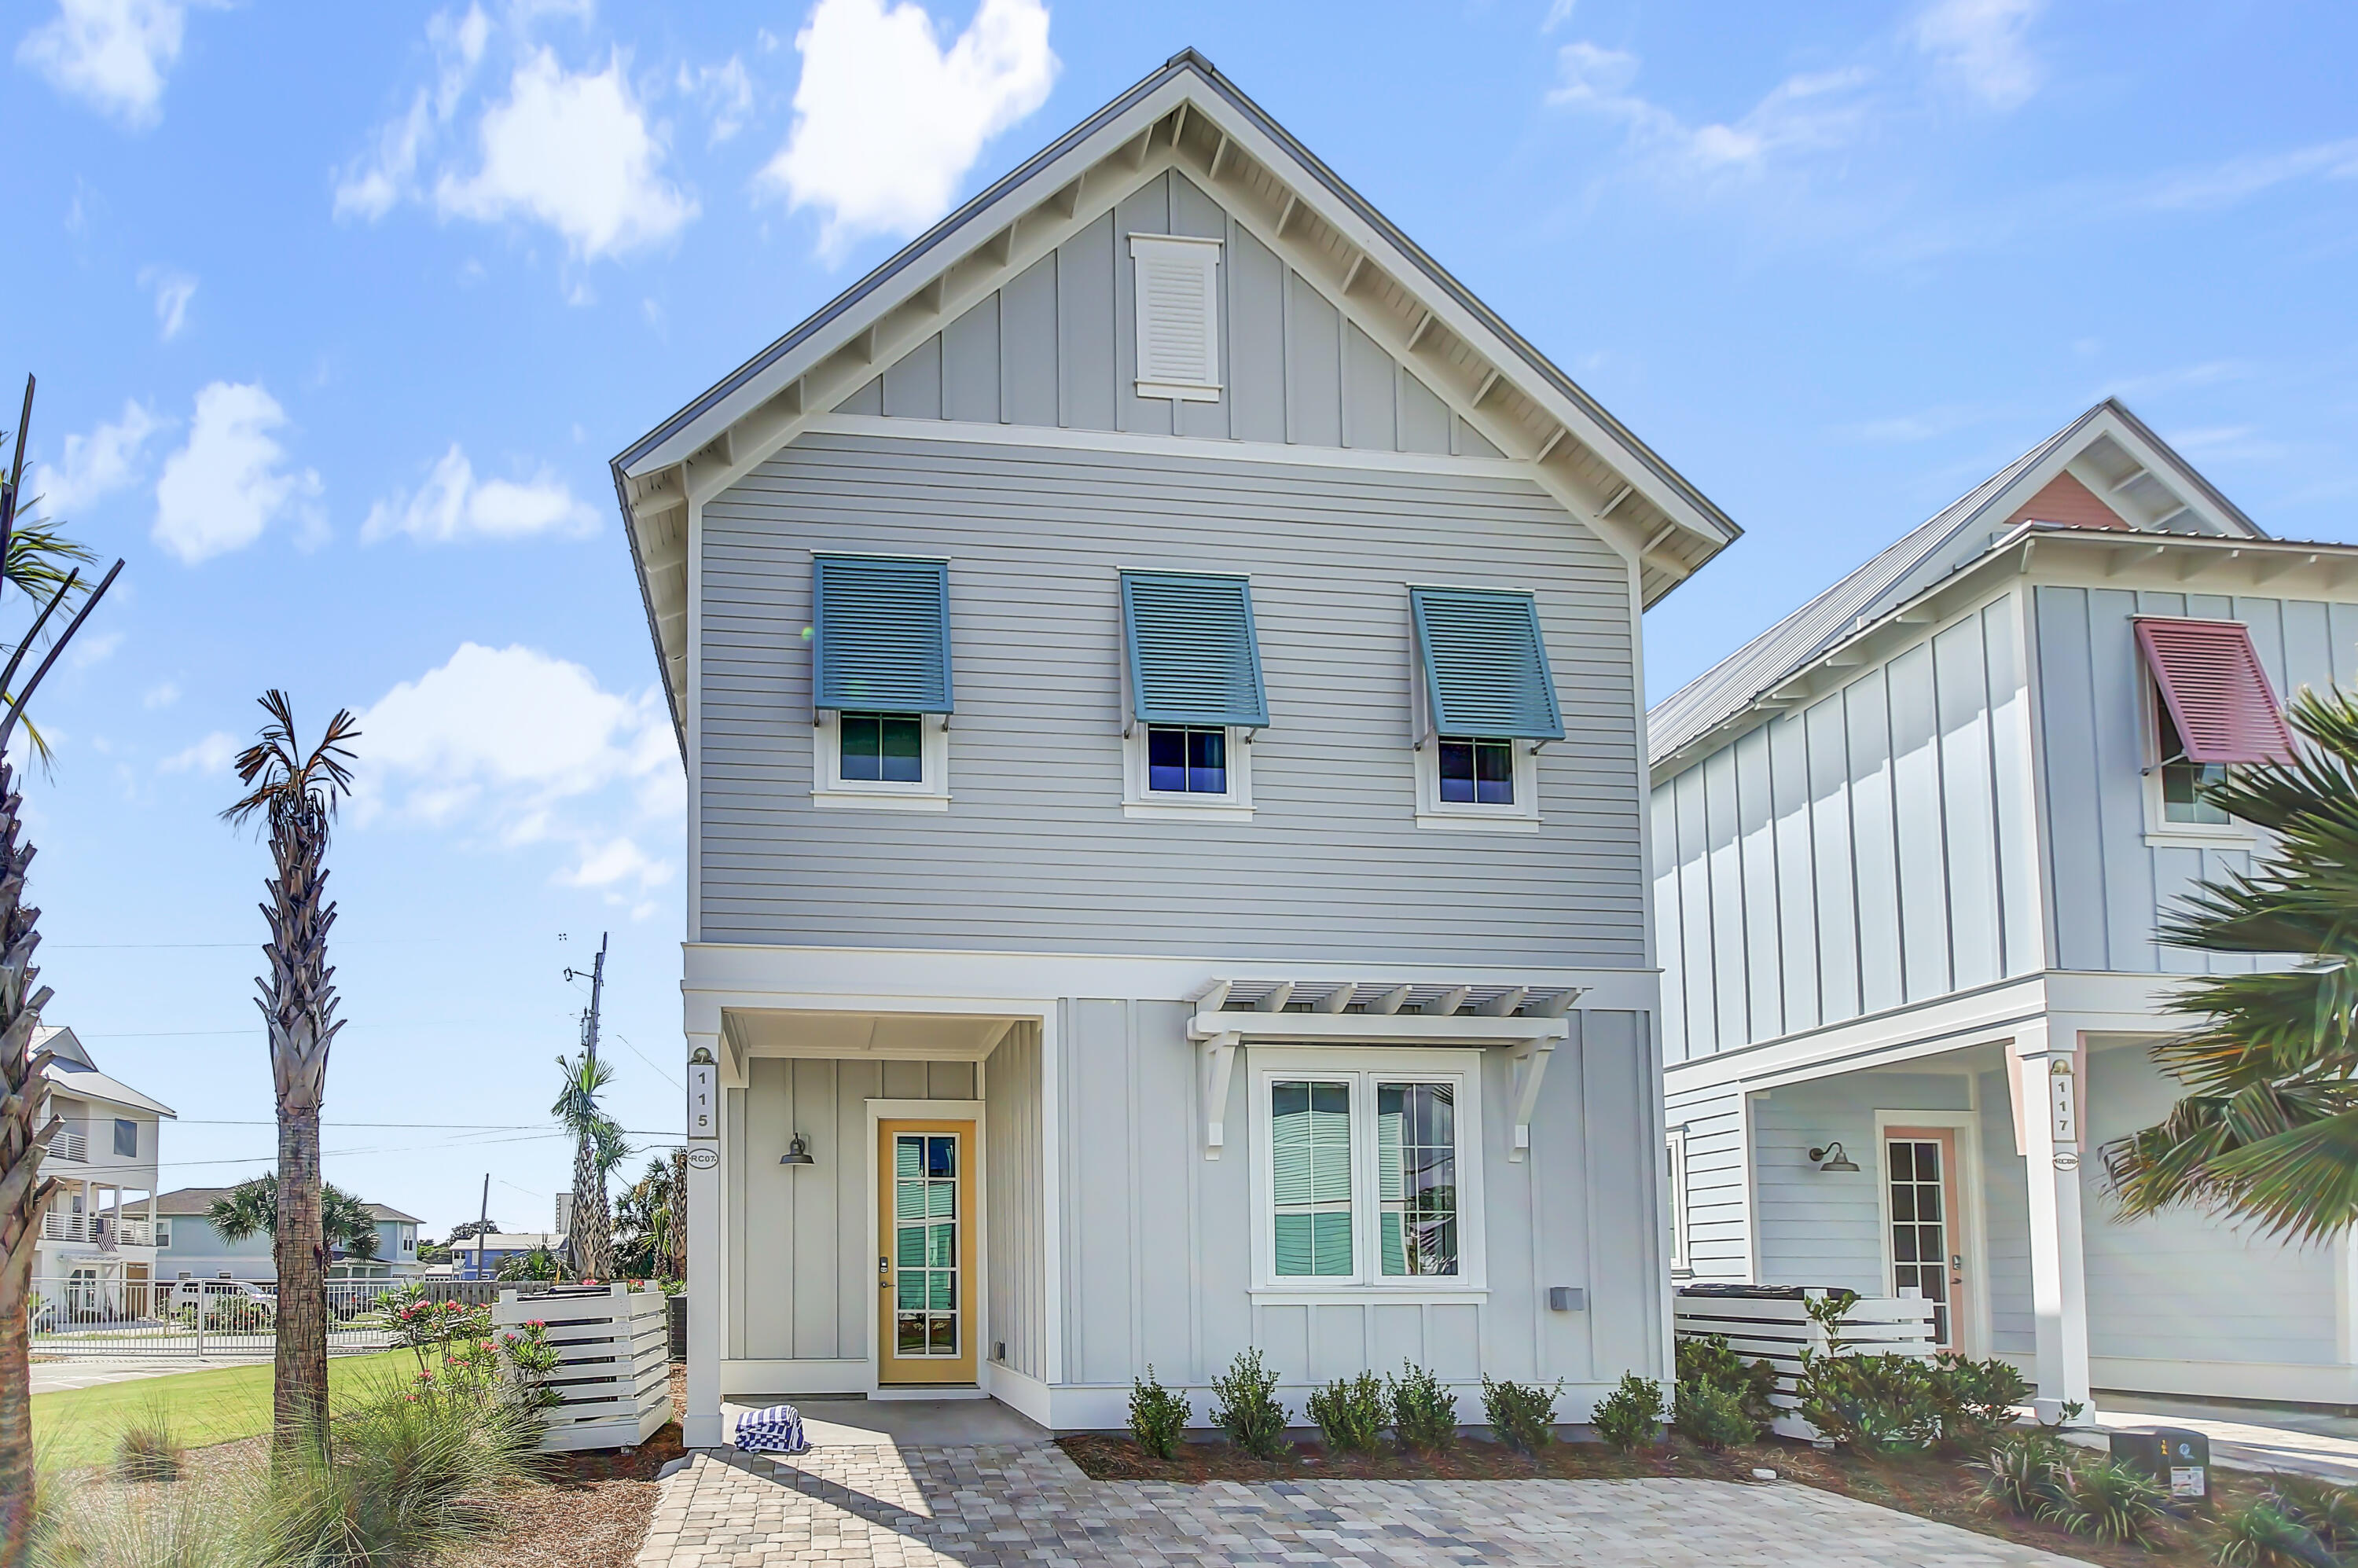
[(1057, 347), (1014, 1205), (801, 1282), (1156, 1241), (1034, 851), (1866, 852), (2109, 886)]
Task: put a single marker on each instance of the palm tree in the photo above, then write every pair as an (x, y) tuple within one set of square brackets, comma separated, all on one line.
[(251, 1208), (42, 564), (294, 794), (598, 1148), (647, 1218), (2269, 1131)]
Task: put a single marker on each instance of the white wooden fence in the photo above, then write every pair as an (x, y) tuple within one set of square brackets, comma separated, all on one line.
[(1778, 1330), (613, 1388)]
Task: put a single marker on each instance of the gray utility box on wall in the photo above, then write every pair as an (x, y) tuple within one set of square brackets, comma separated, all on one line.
[(2177, 1459)]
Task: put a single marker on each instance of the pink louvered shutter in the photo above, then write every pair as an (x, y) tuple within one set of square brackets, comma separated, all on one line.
[(2219, 696)]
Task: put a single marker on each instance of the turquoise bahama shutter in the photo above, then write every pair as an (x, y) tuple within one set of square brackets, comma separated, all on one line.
[(1486, 670), (880, 635), (1193, 656)]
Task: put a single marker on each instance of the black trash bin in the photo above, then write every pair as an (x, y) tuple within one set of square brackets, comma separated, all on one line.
[(2178, 1460)]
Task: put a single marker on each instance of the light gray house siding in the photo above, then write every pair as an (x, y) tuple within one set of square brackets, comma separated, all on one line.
[(1058, 347), (1856, 856), (1034, 851), (2109, 886), (1014, 1142), (1718, 1244)]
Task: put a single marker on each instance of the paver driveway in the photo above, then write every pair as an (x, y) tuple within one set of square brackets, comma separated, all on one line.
[(913, 1508)]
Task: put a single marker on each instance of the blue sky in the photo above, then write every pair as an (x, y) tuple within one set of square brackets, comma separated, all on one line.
[(339, 311)]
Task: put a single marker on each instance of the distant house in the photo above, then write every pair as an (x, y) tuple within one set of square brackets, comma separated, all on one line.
[(96, 1252), (188, 1248), (480, 1257), (1912, 848)]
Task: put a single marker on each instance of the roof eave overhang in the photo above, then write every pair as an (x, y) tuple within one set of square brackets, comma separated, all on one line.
[(1470, 354), (2197, 555)]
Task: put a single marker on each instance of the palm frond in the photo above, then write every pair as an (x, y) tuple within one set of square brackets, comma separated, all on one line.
[(285, 784)]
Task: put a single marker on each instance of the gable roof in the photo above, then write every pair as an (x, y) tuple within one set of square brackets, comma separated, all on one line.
[(1187, 115), (197, 1200), (2138, 480)]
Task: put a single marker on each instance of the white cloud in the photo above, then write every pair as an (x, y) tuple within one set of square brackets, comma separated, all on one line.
[(1559, 12), (887, 122), (173, 292), (94, 649), (530, 748), (221, 489), (453, 506), (2224, 184), (1810, 112), (727, 94), (161, 695), (113, 54), (97, 465), (573, 151), (212, 754), (1983, 44), (371, 186)]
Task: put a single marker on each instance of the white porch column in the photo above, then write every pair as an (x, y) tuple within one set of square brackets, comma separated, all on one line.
[(2047, 1101), (702, 1427)]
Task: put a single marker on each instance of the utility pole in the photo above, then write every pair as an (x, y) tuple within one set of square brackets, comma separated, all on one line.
[(597, 985), (482, 1224)]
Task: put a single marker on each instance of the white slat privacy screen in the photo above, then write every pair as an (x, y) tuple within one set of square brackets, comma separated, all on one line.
[(1178, 317)]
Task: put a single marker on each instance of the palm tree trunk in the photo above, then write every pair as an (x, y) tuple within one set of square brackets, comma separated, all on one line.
[(675, 1233), (593, 1226), (23, 1192), (299, 1387)]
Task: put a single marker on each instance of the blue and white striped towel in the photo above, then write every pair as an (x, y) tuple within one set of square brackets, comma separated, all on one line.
[(777, 1429)]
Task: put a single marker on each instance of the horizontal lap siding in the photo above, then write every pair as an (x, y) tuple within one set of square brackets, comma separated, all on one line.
[(1864, 852), (1817, 1228), (1034, 851), (2111, 889), (1717, 1243)]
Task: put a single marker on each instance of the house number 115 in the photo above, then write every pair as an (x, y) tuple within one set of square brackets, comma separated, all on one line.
[(703, 1095)]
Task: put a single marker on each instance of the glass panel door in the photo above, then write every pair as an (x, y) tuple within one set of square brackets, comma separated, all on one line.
[(924, 1199), (1926, 1251)]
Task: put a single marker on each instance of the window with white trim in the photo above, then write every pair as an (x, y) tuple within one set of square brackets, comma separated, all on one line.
[(1192, 695), (1485, 703), (1367, 1177), (1178, 314), (880, 688)]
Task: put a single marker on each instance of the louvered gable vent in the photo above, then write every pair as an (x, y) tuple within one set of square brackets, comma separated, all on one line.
[(2218, 694), (1486, 670), (880, 633), (1192, 658), (1178, 317)]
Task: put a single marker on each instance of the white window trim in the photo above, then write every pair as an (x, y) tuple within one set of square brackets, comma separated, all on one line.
[(1145, 805), (1181, 249), (831, 791), (1682, 1239), (2161, 833), (1473, 816), (1364, 1068)]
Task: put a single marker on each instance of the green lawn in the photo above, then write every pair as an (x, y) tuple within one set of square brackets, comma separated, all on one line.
[(79, 1426)]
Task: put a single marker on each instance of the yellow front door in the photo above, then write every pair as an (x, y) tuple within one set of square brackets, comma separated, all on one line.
[(924, 1186)]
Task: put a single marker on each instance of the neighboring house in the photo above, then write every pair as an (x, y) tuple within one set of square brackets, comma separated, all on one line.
[(1911, 848), (480, 1257), (188, 1248), (1156, 667), (96, 1253)]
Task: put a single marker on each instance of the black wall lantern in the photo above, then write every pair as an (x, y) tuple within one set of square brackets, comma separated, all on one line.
[(1832, 1159)]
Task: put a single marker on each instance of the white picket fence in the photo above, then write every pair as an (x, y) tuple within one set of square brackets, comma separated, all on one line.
[(1778, 1330), (613, 1388)]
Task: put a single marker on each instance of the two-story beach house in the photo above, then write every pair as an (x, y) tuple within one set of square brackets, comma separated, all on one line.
[(1156, 663), (95, 1257), (188, 1248), (1912, 846)]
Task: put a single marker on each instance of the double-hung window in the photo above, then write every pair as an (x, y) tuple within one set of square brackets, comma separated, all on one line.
[(880, 682), (2209, 707), (1193, 695), (1485, 704), (1368, 1178)]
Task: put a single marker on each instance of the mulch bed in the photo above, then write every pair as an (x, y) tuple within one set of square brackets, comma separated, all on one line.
[(1933, 1488)]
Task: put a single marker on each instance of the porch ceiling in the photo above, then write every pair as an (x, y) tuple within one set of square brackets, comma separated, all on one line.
[(899, 1036)]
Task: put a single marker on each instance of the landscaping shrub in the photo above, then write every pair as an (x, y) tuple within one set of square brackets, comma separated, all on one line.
[(1522, 1414), (2019, 1472), (2326, 1511), (1424, 1414), (149, 1447), (1713, 1418), (1248, 1409), (1350, 1414), (1631, 1415), (193, 1525), (1706, 1358), (2260, 1535), (1976, 1398), (2108, 1501), (1877, 1404), (1157, 1416)]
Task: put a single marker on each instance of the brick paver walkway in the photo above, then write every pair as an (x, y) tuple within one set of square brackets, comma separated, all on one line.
[(915, 1507)]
